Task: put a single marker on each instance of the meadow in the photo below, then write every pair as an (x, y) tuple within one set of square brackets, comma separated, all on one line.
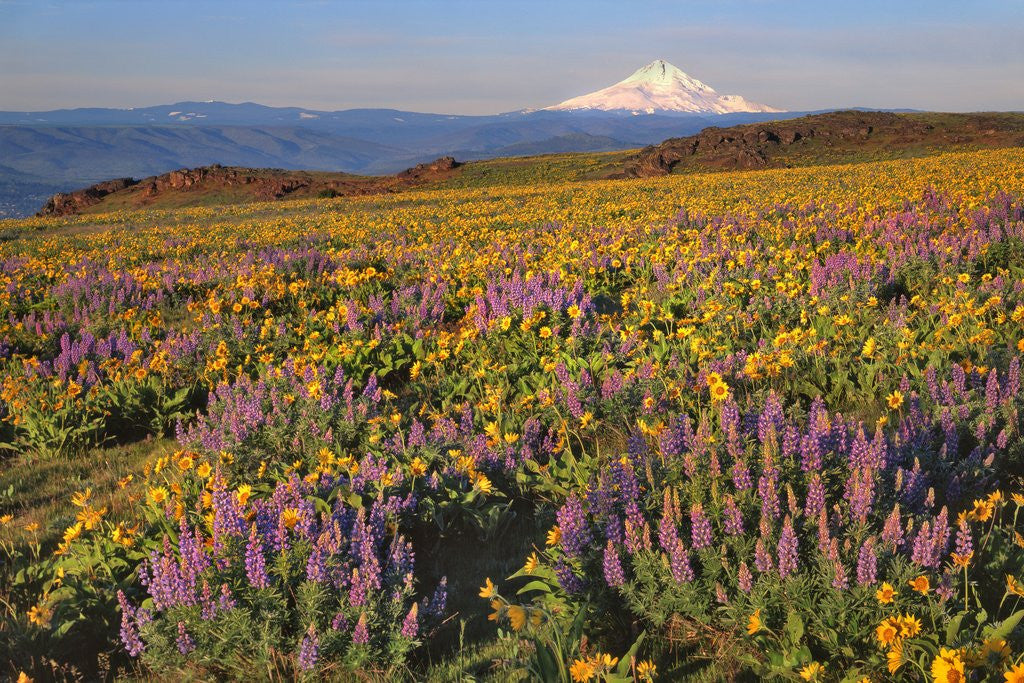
[(760, 425)]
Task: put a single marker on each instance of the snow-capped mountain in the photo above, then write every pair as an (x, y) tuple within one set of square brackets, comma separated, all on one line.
[(661, 87)]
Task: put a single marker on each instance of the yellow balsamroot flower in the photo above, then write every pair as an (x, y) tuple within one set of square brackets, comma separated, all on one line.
[(554, 535), (516, 617), (962, 561), (719, 391), (290, 517), (812, 671), (754, 622), (869, 348), (204, 469), (948, 667), (418, 467), (6, 519), (982, 510), (894, 658), (888, 632), (39, 615), (895, 399), (1013, 586), (531, 563), (1015, 675), (497, 607), (185, 463), (91, 517), (920, 584), (646, 670), (582, 670), (81, 498), (23, 677), (243, 493), (995, 650), (483, 483), (488, 591), (910, 626), (886, 593), (544, 332)]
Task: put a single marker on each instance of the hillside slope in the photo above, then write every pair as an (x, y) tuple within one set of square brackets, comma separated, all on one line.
[(835, 137)]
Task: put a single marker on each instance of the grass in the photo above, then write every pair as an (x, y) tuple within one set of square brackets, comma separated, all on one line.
[(38, 491), (465, 647), (543, 169)]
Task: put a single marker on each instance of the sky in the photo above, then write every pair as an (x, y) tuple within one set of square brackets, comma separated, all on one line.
[(490, 56)]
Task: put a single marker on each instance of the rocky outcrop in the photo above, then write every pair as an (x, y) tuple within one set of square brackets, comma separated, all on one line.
[(433, 170), (65, 203), (758, 145), (229, 184)]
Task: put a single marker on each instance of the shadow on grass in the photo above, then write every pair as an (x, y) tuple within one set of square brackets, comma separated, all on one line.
[(465, 646)]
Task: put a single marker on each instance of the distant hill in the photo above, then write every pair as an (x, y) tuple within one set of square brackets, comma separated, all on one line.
[(213, 185), (836, 137)]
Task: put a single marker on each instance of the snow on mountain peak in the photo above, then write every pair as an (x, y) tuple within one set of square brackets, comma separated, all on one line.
[(660, 86)]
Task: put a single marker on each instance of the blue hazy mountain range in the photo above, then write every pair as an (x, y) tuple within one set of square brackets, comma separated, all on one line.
[(61, 150)]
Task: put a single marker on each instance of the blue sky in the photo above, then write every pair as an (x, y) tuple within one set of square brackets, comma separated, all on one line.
[(488, 56)]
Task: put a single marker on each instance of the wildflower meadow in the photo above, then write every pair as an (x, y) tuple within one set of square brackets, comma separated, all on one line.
[(722, 426)]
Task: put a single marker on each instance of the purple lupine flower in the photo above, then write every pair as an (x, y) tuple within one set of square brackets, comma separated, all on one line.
[(992, 392), (768, 492), (572, 522), (209, 607), (922, 551), (945, 587), (700, 527), (815, 502), (185, 642), (867, 563), (824, 533), (840, 581), (226, 601), (733, 517), (129, 627), (741, 475), (360, 636), (567, 579), (255, 563), (679, 563), (964, 542), (787, 551), (941, 536), (860, 489), (637, 531), (892, 533), (439, 600), (411, 625), (667, 532), (339, 622), (745, 580), (762, 558), (613, 575)]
